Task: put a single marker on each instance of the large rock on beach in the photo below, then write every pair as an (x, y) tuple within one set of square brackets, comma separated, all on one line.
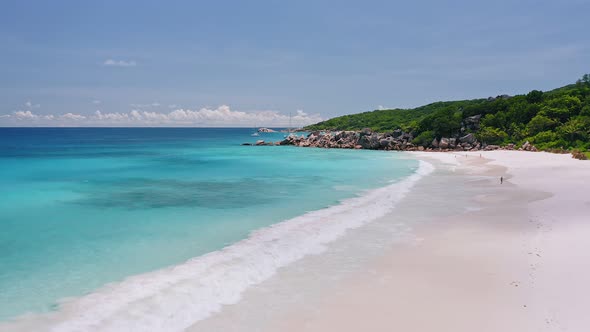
[(434, 143), (469, 138), (370, 142), (366, 132)]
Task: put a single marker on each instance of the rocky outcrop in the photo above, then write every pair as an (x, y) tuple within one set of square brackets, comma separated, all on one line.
[(470, 123), (396, 140), (365, 139), (370, 142), (435, 144), (261, 142), (491, 147), (528, 147), (266, 130), (469, 138)]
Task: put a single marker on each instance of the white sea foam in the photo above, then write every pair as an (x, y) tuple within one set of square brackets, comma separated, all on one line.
[(174, 298)]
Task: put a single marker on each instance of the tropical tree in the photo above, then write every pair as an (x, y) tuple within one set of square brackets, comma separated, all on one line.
[(540, 123), (490, 135), (574, 129), (534, 96)]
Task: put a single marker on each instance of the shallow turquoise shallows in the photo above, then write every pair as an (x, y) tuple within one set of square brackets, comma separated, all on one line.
[(80, 208)]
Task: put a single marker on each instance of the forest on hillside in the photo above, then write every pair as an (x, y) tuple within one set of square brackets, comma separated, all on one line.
[(556, 119)]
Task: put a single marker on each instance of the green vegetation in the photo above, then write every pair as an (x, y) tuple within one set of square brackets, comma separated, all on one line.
[(557, 119), (387, 120)]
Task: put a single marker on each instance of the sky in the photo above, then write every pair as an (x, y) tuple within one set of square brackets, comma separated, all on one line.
[(252, 63)]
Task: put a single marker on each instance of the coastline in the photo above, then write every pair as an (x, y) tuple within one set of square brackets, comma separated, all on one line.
[(515, 265), (482, 257), (173, 298), (457, 252)]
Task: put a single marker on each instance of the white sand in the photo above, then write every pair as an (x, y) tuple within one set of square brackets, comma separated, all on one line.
[(521, 263)]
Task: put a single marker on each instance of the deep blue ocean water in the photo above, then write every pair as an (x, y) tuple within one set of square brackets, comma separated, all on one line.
[(83, 207)]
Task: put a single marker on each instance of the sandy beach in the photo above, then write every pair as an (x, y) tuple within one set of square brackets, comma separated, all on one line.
[(518, 264), (480, 256)]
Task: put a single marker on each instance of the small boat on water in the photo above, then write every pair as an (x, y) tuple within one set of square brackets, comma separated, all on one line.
[(255, 133), (289, 128)]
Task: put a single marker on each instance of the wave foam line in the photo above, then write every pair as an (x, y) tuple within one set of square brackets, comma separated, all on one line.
[(174, 298)]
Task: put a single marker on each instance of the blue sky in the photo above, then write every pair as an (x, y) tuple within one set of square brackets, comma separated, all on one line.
[(253, 62)]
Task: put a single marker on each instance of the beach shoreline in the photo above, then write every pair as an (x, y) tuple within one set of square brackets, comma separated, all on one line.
[(516, 264), (460, 251), (175, 297), (479, 256)]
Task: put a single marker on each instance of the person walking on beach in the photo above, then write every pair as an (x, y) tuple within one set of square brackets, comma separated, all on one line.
[(501, 179)]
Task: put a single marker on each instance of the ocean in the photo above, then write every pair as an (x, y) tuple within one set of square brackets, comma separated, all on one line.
[(110, 224)]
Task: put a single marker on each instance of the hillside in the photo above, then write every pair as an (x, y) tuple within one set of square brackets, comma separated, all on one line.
[(550, 120)]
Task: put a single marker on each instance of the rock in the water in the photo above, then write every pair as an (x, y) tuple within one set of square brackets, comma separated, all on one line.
[(260, 142)]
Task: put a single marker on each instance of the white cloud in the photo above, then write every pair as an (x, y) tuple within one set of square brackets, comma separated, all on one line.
[(30, 105), (221, 116), (71, 116), (28, 115), (25, 115), (96, 102), (111, 116), (119, 63), (154, 104)]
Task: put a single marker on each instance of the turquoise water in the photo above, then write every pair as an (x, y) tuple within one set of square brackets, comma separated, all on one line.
[(80, 208)]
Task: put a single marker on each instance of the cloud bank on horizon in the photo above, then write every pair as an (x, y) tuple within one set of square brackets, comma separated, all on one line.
[(221, 116)]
